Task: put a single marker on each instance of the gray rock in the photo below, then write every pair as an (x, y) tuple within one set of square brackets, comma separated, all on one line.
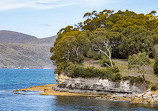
[(96, 85)]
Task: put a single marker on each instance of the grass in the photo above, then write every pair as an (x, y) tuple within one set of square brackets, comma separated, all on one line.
[(92, 63), (123, 67), (122, 64)]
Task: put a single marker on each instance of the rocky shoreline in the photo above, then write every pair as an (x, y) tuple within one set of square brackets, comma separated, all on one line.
[(143, 98), (106, 90), (52, 89), (47, 90)]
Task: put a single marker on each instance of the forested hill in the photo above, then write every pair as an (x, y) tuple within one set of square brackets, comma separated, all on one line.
[(18, 50), (116, 40)]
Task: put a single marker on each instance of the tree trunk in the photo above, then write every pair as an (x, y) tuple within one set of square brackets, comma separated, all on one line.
[(109, 56), (111, 62)]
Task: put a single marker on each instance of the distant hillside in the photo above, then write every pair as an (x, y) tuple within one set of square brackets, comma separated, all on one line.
[(45, 40), (16, 37), (18, 50)]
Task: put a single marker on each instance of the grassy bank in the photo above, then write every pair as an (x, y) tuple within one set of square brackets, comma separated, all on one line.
[(122, 64)]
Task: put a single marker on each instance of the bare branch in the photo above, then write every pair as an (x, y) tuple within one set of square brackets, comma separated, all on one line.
[(105, 52), (107, 64)]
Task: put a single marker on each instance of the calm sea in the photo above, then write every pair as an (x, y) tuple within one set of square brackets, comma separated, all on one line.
[(11, 79)]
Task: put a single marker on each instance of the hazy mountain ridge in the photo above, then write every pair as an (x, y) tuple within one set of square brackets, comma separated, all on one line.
[(19, 50), (17, 37)]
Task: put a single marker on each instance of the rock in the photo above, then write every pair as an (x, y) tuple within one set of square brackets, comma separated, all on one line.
[(99, 85), (112, 91)]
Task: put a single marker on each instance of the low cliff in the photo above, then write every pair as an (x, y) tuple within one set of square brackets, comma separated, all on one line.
[(95, 85)]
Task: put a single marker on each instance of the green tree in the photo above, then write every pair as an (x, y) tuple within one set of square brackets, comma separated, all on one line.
[(153, 12), (71, 47), (115, 41), (139, 61), (113, 37), (122, 24), (99, 32), (101, 44), (64, 31), (135, 39), (97, 20), (155, 35)]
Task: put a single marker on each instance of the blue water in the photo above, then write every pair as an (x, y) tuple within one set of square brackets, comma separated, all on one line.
[(11, 79)]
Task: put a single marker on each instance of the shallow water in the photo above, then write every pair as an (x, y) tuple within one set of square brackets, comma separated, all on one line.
[(11, 79)]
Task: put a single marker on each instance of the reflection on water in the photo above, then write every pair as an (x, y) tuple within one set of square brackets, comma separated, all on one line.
[(89, 104)]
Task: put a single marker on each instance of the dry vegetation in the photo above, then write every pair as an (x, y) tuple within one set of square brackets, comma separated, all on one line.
[(122, 64), (14, 55)]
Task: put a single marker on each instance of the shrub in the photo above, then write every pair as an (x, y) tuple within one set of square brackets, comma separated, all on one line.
[(117, 77), (104, 60), (138, 81), (112, 74), (115, 69), (80, 71), (154, 87), (138, 60), (90, 53), (81, 58), (134, 80)]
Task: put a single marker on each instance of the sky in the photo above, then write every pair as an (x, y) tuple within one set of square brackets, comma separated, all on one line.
[(44, 18)]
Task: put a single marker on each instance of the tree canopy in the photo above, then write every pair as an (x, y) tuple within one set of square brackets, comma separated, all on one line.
[(125, 32), (135, 39)]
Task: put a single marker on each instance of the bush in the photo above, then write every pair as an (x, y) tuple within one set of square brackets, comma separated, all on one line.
[(154, 87), (112, 74), (90, 53), (115, 69), (138, 60), (136, 80), (89, 72), (104, 60), (81, 58), (117, 77)]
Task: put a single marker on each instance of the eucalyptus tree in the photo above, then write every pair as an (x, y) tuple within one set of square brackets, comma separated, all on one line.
[(139, 61), (135, 39), (100, 43), (71, 47)]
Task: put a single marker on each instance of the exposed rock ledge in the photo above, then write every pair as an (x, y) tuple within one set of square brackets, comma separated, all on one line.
[(95, 85), (53, 89), (145, 98), (119, 91)]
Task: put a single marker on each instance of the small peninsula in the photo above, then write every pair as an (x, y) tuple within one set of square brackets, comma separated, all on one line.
[(110, 54)]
